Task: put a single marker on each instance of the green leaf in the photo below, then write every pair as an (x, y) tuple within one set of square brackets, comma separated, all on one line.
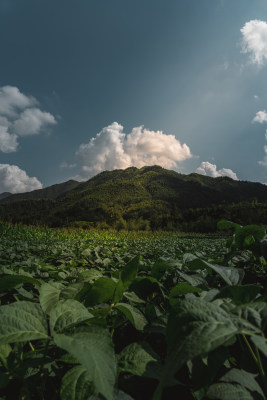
[(158, 269), (248, 235), (196, 327), (224, 224), (93, 348), (253, 313), (137, 358), (135, 316), (5, 350), (11, 281), (49, 295), (76, 384), (180, 290), (101, 291), (261, 343), (67, 313), (232, 276), (129, 271), (244, 379), (239, 294), (228, 391), (90, 275), (22, 321)]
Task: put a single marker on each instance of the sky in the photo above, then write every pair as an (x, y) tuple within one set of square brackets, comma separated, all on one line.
[(94, 85)]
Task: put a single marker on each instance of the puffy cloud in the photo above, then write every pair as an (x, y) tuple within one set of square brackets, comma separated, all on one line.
[(31, 121), (12, 100), (19, 116), (264, 161), (261, 116), (15, 180), (209, 169), (112, 149), (8, 142), (255, 40)]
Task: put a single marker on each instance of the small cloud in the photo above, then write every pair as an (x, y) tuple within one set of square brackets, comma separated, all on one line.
[(112, 148), (261, 116), (256, 97), (255, 40), (263, 163), (15, 180), (209, 169), (66, 165), (266, 134), (19, 116)]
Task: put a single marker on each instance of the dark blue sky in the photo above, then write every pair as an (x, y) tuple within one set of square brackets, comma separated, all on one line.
[(170, 66)]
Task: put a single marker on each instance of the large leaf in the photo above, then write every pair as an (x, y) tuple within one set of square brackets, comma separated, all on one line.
[(159, 268), (76, 384), (244, 379), (253, 313), (137, 358), (261, 343), (135, 316), (232, 276), (22, 321), (129, 271), (228, 391), (101, 291), (92, 347), (224, 224), (49, 295), (196, 327), (11, 281), (181, 289), (68, 313), (239, 294)]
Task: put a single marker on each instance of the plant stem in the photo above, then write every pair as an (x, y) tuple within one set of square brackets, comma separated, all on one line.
[(250, 349)]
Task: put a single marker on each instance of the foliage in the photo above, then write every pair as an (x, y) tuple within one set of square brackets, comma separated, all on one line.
[(104, 315)]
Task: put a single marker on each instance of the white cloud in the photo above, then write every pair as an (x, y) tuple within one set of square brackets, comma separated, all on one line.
[(66, 165), (31, 121), (266, 134), (15, 180), (12, 100), (209, 169), (261, 116), (8, 142), (255, 40), (114, 149), (256, 97), (19, 116), (264, 161)]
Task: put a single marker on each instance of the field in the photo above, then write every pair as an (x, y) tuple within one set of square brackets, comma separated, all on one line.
[(120, 316)]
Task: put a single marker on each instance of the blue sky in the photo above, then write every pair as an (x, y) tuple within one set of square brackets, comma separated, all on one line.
[(92, 85)]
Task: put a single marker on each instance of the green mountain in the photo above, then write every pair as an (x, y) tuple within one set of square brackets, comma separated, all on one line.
[(149, 197), (51, 192)]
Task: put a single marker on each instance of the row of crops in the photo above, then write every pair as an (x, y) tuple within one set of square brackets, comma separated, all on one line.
[(120, 316)]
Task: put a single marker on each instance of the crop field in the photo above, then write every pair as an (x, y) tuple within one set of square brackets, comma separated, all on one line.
[(120, 316)]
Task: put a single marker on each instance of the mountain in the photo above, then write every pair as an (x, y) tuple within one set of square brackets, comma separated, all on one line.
[(149, 197), (4, 195), (51, 192)]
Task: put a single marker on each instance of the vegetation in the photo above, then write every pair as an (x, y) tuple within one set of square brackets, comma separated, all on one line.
[(150, 198), (120, 316)]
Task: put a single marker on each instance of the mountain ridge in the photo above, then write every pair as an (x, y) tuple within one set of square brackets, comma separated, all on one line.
[(156, 197)]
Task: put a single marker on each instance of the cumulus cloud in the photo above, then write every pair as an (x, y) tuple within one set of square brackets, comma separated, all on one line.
[(209, 169), (15, 180), (31, 121), (255, 40), (19, 116), (8, 143), (112, 149), (261, 117)]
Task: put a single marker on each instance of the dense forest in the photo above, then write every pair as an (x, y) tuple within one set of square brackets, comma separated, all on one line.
[(149, 198)]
